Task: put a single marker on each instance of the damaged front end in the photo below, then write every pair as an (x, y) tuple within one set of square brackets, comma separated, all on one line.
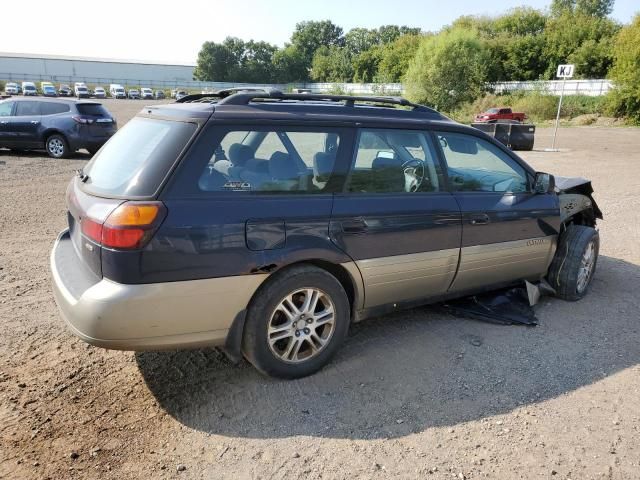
[(577, 204)]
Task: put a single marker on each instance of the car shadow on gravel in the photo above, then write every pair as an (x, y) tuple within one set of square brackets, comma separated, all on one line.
[(412, 370)]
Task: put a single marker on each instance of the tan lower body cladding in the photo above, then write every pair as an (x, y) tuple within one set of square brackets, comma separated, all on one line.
[(419, 275)]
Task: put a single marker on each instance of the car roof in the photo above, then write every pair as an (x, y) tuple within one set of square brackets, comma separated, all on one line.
[(256, 103), (56, 100)]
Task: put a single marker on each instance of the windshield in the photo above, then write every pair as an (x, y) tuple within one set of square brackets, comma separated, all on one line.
[(29, 87), (136, 159), (492, 110)]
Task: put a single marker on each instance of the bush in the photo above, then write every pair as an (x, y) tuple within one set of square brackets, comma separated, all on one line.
[(449, 69), (624, 100)]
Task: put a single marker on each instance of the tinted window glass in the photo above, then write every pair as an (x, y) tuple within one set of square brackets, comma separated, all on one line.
[(92, 109), (395, 161), (28, 108), (271, 161), (478, 166), (5, 108), (136, 159), (51, 108)]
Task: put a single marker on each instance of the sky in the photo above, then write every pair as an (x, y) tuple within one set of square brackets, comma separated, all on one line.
[(175, 31)]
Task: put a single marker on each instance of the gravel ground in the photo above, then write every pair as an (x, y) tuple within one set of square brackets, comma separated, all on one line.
[(416, 394)]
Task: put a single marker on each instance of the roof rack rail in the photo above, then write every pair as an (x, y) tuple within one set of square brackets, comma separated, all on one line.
[(244, 98), (219, 94)]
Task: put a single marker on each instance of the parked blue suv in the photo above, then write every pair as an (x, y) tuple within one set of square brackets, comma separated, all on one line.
[(266, 223), (59, 126)]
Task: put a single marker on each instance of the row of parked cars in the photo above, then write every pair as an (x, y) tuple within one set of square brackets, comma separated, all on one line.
[(80, 90)]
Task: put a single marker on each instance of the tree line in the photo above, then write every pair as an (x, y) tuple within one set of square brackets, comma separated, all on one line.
[(444, 68), (523, 44)]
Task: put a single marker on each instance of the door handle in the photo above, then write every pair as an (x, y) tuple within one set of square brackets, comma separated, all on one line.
[(479, 219), (35, 122), (357, 225)]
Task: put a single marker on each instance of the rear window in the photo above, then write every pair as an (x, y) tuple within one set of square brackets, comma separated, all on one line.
[(95, 109), (51, 108), (135, 160)]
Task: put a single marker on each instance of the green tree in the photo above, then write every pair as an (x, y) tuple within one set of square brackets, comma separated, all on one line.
[(365, 65), (309, 36), (625, 98), (449, 68), (214, 64), (394, 58), (582, 38), (290, 65), (358, 40), (331, 64), (592, 8)]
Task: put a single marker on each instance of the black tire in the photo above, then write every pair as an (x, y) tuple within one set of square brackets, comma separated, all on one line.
[(565, 270), (57, 146), (256, 346)]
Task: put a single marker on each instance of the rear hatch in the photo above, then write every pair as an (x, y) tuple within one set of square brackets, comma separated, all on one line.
[(113, 194), (98, 119)]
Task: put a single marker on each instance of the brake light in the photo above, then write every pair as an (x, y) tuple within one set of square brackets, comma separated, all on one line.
[(130, 226), (83, 120)]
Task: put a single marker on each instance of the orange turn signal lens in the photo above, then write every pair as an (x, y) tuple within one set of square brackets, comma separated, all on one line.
[(133, 215)]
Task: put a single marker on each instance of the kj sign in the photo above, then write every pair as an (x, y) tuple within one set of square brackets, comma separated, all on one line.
[(565, 71)]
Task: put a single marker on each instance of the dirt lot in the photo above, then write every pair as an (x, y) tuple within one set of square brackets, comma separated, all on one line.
[(416, 394)]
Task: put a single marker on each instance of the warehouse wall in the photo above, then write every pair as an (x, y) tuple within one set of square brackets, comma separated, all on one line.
[(14, 67)]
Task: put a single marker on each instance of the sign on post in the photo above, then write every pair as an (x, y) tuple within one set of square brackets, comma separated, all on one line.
[(563, 72)]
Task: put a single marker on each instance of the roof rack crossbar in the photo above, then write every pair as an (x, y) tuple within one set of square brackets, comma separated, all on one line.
[(244, 98), (219, 94)]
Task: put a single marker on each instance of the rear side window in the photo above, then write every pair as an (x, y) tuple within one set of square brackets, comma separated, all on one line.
[(278, 160), (95, 109), (51, 108), (136, 159), (28, 108)]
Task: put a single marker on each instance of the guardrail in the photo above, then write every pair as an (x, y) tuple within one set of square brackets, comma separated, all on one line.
[(572, 87), (592, 88)]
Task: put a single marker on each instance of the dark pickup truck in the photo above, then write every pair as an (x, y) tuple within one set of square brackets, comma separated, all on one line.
[(500, 114)]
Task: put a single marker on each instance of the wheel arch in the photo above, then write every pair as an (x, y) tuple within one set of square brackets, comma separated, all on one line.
[(347, 274)]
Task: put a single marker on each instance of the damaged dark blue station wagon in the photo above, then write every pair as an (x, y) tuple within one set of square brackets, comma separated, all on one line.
[(265, 223)]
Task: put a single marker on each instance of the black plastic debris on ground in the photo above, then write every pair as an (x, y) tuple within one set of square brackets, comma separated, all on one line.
[(505, 307)]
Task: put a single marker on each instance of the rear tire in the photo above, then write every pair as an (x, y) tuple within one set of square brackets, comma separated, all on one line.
[(574, 263), (296, 322), (57, 146)]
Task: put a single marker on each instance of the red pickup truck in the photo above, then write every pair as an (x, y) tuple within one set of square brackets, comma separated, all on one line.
[(498, 114)]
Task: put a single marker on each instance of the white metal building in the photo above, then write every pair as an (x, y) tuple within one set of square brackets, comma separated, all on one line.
[(58, 68)]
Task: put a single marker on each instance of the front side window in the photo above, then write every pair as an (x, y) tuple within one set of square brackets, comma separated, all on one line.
[(394, 161), (6, 108), (475, 165), (276, 160)]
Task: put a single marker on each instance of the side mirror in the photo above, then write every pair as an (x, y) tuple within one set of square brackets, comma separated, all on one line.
[(544, 183)]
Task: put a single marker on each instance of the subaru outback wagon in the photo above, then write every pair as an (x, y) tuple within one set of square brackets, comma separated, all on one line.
[(266, 223)]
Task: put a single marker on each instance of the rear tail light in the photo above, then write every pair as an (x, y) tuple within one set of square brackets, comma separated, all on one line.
[(130, 226), (83, 120)]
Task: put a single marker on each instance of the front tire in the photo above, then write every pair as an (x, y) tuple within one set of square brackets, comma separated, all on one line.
[(296, 322), (57, 146), (574, 263)]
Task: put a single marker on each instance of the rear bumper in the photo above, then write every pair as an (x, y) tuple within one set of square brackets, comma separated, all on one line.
[(146, 316)]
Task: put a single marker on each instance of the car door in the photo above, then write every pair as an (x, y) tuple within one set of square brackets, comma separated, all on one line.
[(508, 232), (396, 219), (25, 124), (6, 135)]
